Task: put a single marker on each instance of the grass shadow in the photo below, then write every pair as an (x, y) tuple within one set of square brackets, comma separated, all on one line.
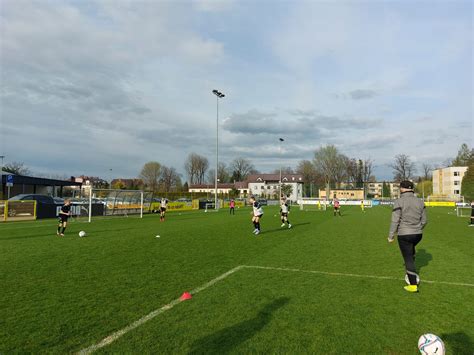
[(227, 339), (459, 342), (423, 258), (283, 229)]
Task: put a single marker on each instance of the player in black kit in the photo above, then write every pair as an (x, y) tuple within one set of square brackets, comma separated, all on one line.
[(63, 216)]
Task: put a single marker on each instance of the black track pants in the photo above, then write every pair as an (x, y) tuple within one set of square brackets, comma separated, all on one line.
[(407, 245)]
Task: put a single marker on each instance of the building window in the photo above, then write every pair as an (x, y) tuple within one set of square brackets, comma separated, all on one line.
[(456, 192), (456, 183), (456, 173), (268, 187)]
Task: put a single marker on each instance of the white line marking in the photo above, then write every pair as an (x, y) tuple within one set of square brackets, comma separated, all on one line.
[(352, 275), (114, 336)]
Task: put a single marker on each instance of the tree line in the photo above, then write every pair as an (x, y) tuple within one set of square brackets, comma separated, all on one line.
[(329, 167)]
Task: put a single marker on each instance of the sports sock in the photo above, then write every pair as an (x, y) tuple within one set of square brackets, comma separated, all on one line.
[(64, 228), (59, 228), (258, 225), (288, 221)]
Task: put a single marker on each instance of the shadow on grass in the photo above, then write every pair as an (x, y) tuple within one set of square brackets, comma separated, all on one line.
[(422, 258), (69, 233), (283, 229), (459, 342), (227, 339)]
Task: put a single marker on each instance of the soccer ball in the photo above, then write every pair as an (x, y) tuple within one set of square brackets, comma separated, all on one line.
[(407, 280), (82, 234), (430, 344), (157, 236)]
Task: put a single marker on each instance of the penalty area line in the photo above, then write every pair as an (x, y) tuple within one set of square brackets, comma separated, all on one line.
[(351, 275), (114, 336)]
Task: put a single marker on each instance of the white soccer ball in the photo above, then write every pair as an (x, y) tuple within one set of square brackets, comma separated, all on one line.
[(82, 234), (157, 236), (407, 280), (430, 344)]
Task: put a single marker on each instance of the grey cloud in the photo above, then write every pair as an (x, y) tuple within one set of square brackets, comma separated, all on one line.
[(297, 122), (362, 94)]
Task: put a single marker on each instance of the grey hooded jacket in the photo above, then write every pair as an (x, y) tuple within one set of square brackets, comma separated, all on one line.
[(408, 215)]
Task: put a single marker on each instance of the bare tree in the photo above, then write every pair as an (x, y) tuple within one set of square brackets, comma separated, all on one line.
[(150, 175), (340, 173), (331, 164), (196, 166), (223, 173), (170, 179), (202, 166), (310, 176), (403, 168), (426, 169), (368, 169), (241, 169), (16, 168)]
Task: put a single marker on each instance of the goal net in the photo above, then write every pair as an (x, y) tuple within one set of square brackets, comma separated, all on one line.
[(312, 204), (109, 202), (463, 211)]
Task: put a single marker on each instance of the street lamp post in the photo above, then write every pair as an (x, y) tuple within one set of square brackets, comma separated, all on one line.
[(1, 176), (279, 147), (219, 95)]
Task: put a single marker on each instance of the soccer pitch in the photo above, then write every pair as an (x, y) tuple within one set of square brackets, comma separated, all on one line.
[(328, 285)]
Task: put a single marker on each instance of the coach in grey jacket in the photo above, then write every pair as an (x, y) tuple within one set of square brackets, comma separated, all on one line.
[(408, 221)]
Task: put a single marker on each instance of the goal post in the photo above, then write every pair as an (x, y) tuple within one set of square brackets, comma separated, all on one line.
[(463, 211), (312, 204), (125, 203)]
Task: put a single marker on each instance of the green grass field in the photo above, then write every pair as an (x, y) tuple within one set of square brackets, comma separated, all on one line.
[(61, 295)]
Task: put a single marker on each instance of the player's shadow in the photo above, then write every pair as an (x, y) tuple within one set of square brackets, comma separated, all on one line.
[(284, 229), (227, 339), (422, 259), (459, 342)]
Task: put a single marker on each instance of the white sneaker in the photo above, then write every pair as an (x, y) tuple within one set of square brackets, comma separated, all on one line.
[(289, 226), (257, 232), (282, 225)]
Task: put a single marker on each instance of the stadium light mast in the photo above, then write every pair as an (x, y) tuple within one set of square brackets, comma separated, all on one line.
[(279, 146), (219, 95)]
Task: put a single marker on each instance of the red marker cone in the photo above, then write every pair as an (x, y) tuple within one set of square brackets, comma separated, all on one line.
[(186, 296)]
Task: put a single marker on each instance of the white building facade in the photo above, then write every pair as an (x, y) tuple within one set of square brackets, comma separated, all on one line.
[(447, 181), (267, 185)]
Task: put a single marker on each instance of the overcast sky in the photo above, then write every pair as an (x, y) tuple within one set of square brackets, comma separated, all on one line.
[(89, 86)]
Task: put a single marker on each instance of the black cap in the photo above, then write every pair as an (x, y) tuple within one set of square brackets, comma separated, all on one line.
[(407, 185)]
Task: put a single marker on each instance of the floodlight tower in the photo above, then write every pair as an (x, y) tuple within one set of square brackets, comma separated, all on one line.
[(279, 147), (219, 95)]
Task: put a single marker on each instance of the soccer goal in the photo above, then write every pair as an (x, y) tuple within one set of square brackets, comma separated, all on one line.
[(109, 202), (313, 204), (462, 211)]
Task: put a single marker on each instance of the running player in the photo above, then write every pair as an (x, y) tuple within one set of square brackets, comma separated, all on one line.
[(257, 214), (408, 221), (64, 214), (284, 210), (362, 207), (337, 207), (163, 206)]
